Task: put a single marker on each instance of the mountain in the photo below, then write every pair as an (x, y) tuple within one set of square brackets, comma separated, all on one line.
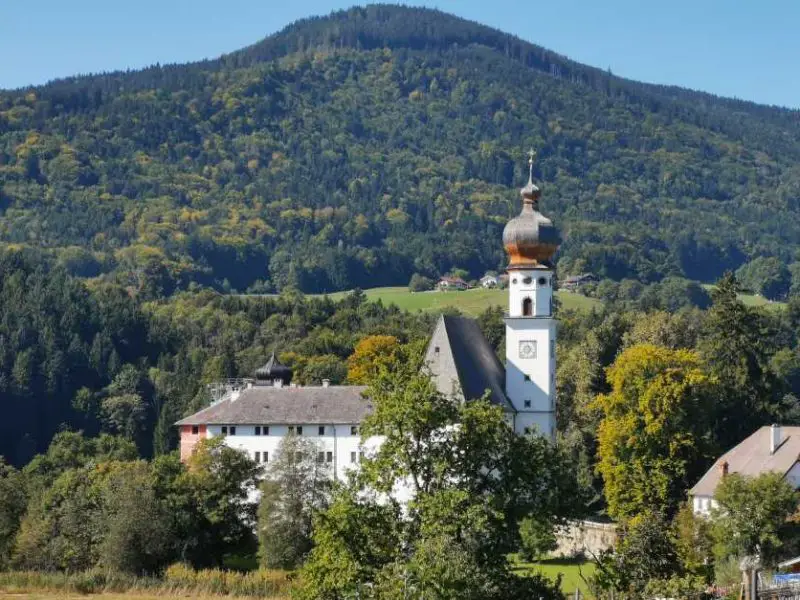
[(359, 148)]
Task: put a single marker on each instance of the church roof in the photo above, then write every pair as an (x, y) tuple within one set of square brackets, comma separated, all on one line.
[(477, 368), (268, 405), (752, 457)]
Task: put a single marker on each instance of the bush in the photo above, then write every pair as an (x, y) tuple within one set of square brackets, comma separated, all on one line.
[(536, 539), (420, 283)]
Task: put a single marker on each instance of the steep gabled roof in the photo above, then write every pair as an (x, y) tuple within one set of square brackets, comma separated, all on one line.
[(477, 368), (268, 405), (752, 457)]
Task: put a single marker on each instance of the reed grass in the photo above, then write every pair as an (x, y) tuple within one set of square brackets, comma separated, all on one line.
[(178, 579)]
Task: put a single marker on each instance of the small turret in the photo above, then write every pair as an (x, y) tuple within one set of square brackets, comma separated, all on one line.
[(274, 372)]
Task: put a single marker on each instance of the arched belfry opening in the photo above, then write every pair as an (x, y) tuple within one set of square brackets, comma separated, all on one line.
[(527, 307)]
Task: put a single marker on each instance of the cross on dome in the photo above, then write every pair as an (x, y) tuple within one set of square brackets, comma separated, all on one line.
[(531, 158)]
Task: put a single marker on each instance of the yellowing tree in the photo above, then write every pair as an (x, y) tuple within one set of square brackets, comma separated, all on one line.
[(653, 439), (368, 356)]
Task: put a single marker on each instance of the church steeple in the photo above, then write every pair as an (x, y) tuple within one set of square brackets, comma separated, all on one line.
[(531, 240)]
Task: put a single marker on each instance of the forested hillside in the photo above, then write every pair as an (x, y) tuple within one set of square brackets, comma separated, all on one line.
[(359, 148)]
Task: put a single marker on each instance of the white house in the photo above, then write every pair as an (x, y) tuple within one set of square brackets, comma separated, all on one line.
[(258, 413), (773, 449), (489, 281)]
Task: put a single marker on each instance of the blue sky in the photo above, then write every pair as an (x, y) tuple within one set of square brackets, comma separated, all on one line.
[(743, 48)]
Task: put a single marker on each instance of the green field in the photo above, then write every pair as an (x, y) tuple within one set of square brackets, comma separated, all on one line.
[(572, 573), (752, 299), (471, 302)]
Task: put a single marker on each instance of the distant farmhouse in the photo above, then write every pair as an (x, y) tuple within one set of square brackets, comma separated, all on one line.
[(771, 449), (490, 281), (575, 282), (452, 283)]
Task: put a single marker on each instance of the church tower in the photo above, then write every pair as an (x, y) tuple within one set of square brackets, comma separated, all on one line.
[(531, 240)]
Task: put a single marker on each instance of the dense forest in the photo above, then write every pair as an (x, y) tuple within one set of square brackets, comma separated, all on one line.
[(357, 149)]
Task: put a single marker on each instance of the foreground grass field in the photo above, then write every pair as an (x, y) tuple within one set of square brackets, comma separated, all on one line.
[(471, 302), (572, 573)]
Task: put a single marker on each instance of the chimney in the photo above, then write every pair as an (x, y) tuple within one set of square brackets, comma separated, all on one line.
[(278, 383), (723, 468), (326, 382), (774, 438)]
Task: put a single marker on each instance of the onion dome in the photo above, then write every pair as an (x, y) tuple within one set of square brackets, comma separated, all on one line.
[(274, 370), (530, 239)]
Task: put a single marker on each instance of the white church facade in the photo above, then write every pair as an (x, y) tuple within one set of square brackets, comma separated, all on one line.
[(257, 415)]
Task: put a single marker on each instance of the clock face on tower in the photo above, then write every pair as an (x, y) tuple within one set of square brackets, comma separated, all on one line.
[(527, 349)]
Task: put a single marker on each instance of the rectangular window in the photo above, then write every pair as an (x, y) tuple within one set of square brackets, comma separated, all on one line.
[(527, 403), (266, 456), (329, 457), (360, 456), (233, 430), (320, 457), (264, 430), (527, 377), (258, 457), (224, 430), (258, 430), (322, 429), (299, 430), (352, 457), (354, 430), (195, 430)]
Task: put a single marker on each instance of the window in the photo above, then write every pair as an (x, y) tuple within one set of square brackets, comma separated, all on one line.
[(299, 430), (527, 280), (552, 348), (257, 457), (233, 430), (527, 431), (527, 307), (352, 457), (264, 430), (436, 349), (266, 456), (320, 457), (195, 430), (354, 430), (258, 430), (322, 429), (329, 457), (527, 377), (360, 456), (224, 430), (542, 281), (527, 403)]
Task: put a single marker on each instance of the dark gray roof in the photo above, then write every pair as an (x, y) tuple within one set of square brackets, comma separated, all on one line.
[(286, 405), (274, 369), (477, 366)]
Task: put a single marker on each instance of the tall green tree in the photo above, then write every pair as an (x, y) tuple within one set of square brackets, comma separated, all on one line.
[(653, 439), (296, 486), (471, 481), (752, 517)]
